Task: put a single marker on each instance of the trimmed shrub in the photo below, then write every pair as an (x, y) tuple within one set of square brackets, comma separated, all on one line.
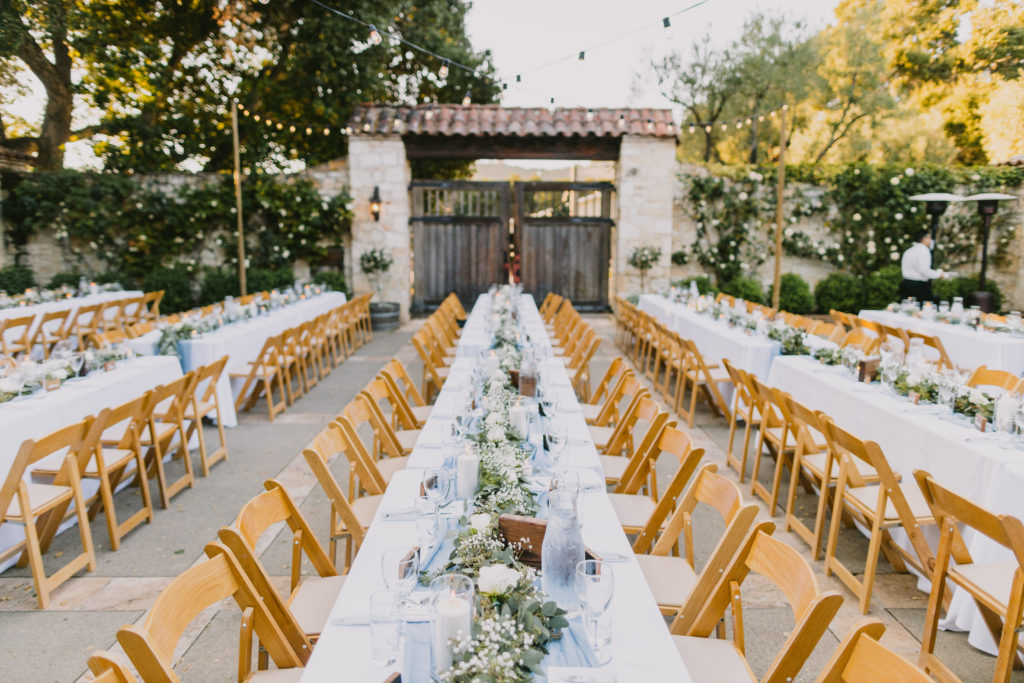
[(680, 258), (945, 290), (704, 285), (69, 279), (176, 281), (794, 294), (882, 288), (218, 284), (265, 279), (16, 279), (840, 291), (335, 279), (745, 288)]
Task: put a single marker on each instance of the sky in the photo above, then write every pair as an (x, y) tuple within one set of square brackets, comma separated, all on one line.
[(537, 32)]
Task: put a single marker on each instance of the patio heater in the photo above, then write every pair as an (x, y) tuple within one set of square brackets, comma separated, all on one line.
[(988, 204), (936, 204)]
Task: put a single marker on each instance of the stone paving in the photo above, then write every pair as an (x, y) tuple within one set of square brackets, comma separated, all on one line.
[(85, 613)]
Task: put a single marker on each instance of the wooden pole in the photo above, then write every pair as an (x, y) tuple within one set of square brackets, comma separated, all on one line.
[(238, 200), (781, 186)]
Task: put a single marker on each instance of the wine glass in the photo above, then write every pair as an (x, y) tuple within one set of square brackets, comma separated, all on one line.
[(558, 439), (595, 586), (400, 568), (426, 521), (437, 483)]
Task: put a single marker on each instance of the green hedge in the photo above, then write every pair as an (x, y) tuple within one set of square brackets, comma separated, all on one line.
[(335, 279), (794, 294), (16, 279), (704, 285), (840, 291), (945, 290), (882, 288), (744, 288), (176, 281)]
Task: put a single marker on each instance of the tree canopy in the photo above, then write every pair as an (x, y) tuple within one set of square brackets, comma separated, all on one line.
[(154, 81)]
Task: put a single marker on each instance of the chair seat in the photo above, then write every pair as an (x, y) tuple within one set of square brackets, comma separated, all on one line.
[(613, 466), (204, 410), (421, 413), (388, 466), (867, 498), (815, 462), (601, 436), (712, 660), (277, 675), (632, 510), (365, 508), (312, 600), (995, 578), (163, 431), (407, 438), (41, 497), (670, 578), (590, 411)]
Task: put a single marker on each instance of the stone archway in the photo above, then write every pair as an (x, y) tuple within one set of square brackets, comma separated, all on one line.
[(383, 139)]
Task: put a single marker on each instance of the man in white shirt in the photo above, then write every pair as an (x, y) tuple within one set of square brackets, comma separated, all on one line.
[(917, 270)]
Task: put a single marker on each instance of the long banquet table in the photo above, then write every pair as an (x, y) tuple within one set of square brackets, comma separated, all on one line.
[(72, 304), (37, 416), (977, 466), (241, 342), (642, 647), (966, 347)]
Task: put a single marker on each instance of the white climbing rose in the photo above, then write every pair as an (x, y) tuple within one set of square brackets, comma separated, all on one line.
[(497, 579)]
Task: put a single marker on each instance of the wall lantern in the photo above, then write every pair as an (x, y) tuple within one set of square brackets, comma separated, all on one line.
[(375, 203)]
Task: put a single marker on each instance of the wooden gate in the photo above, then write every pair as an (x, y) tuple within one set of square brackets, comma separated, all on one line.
[(563, 234), (460, 237)]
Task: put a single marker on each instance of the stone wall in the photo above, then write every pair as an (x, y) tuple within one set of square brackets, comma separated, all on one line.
[(379, 161), (645, 190)]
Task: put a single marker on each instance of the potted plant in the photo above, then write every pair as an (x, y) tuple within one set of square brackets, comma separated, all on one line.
[(375, 263), (643, 259)]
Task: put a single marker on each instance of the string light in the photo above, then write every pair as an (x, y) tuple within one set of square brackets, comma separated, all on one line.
[(467, 100), (583, 55), (693, 129), (375, 37), (667, 23), (590, 115), (443, 71)]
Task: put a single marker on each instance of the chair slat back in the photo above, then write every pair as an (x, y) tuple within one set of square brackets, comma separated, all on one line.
[(318, 457), (688, 462), (403, 379), (984, 376), (77, 439), (359, 457)]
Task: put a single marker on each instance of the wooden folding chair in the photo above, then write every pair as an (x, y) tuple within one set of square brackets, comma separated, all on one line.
[(264, 373), (85, 321), (364, 473), (641, 514), (885, 332), (52, 329), (670, 358), (619, 456), (40, 508), (403, 380), (932, 341), (709, 659), (434, 374), (603, 408), (744, 407), (106, 667), (152, 300), (396, 434), (860, 658), (604, 435), (113, 316), (879, 507), (579, 369), (996, 587), (139, 329), (826, 330), (416, 416), (106, 340), (165, 422), (701, 380), (150, 646), (860, 340), (775, 432), (350, 517), (672, 579), (204, 404), (310, 598), (984, 377), (16, 335), (813, 460)]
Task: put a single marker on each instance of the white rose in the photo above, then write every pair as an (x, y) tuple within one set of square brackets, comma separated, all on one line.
[(857, 216), (895, 180), (9, 386), (978, 397), (909, 171), (480, 521), (913, 380), (496, 434), (58, 373), (497, 579), (898, 216), (498, 376), (494, 420)]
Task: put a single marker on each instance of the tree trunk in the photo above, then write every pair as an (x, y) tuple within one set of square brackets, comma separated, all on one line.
[(753, 138), (708, 146), (55, 131)]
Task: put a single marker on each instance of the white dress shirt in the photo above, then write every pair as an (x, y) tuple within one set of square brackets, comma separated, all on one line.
[(917, 264)]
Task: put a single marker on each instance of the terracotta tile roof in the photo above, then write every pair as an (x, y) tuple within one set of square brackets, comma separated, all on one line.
[(1013, 161), (484, 120)]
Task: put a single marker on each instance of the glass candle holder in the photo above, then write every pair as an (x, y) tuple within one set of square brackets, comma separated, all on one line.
[(451, 616)]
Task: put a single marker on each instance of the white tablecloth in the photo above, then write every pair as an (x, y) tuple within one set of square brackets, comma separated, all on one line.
[(242, 343), (72, 305), (38, 416), (642, 646), (966, 347), (973, 464)]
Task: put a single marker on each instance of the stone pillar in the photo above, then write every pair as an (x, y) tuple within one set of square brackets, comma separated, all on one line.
[(379, 161), (645, 180)]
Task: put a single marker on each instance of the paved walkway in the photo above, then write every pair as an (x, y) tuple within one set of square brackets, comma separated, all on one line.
[(54, 644)]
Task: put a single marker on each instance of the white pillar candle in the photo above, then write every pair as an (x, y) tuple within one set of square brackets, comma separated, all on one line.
[(467, 474), (453, 618), (517, 419), (493, 364), (1005, 407)]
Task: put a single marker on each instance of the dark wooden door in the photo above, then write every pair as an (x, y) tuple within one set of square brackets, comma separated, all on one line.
[(460, 236), (563, 236)]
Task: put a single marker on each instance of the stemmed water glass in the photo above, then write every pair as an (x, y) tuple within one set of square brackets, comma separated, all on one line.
[(595, 586), (437, 483), (558, 439), (400, 568)]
